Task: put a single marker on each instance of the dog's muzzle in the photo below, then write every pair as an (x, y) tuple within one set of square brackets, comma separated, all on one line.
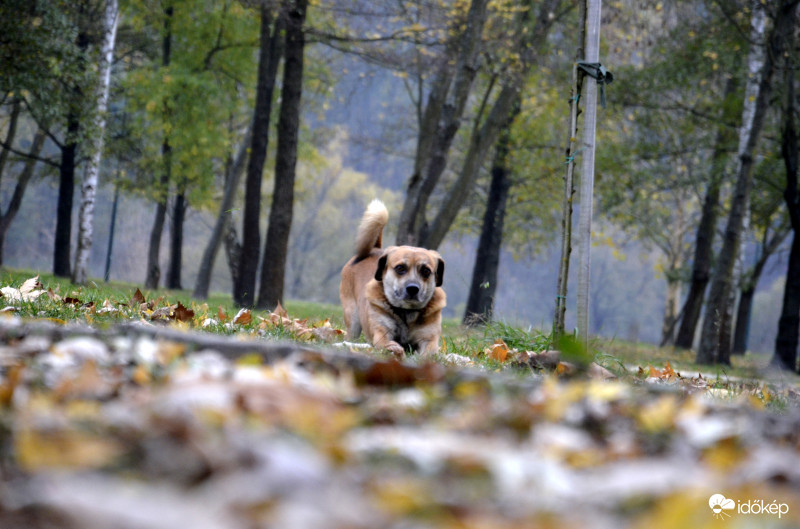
[(412, 289)]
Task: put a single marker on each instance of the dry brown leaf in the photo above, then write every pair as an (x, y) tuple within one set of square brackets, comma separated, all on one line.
[(138, 298), (221, 315), (498, 351), (243, 317), (182, 313)]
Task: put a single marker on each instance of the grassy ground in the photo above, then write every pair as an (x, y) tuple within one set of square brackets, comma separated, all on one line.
[(622, 358)]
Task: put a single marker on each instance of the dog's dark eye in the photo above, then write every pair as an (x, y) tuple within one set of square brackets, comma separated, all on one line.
[(400, 269), (425, 272)]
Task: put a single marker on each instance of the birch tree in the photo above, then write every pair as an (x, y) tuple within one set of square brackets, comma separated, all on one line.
[(89, 186), (761, 66)]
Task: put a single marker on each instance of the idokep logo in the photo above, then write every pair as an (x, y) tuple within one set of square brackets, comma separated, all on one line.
[(719, 504), (722, 507)]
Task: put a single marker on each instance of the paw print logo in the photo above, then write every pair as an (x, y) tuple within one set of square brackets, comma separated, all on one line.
[(719, 504)]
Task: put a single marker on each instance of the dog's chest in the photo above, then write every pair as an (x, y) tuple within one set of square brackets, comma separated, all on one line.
[(404, 319)]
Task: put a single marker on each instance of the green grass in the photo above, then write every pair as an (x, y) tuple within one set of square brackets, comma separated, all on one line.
[(622, 358)]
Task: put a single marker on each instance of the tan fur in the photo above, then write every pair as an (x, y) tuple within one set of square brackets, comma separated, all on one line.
[(394, 296)]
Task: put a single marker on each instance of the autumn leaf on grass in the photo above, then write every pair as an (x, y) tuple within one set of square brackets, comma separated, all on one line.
[(498, 351), (221, 315), (138, 298), (321, 331), (182, 313), (664, 374), (243, 317), (29, 291)]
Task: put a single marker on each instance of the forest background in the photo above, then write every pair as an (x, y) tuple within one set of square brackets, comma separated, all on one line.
[(187, 78)]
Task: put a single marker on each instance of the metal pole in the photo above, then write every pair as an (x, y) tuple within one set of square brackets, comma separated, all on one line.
[(587, 170)]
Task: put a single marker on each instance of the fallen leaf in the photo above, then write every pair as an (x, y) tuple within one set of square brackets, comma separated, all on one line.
[(138, 298), (498, 351), (243, 317), (182, 313)]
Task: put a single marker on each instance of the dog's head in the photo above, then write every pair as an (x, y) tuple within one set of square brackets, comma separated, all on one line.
[(409, 275)]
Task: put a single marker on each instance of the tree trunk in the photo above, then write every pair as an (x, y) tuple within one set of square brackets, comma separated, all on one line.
[(593, 9), (154, 248), (706, 231), (756, 102), (487, 259), (111, 230), (269, 57), (559, 317), (747, 290), (233, 176), (670, 310), (233, 249), (273, 267), (91, 177), (66, 184), (785, 355), (19, 189), (176, 240), (66, 189), (450, 96), (485, 136), (742, 327), (13, 119)]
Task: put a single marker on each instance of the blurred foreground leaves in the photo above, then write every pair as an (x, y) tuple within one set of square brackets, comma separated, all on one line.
[(131, 427)]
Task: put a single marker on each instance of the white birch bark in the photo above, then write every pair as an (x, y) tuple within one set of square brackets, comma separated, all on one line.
[(756, 91), (587, 171), (89, 185)]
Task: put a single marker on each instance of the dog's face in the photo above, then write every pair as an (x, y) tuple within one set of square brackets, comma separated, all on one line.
[(409, 275)]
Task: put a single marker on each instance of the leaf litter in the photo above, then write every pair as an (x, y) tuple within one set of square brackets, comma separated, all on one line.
[(155, 425)]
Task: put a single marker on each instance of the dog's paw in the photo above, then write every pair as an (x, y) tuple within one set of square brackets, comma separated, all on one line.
[(396, 349)]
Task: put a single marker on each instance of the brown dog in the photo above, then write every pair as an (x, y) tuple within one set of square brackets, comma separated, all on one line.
[(393, 295)]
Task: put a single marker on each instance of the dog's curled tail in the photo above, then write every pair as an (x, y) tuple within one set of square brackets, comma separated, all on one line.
[(370, 231)]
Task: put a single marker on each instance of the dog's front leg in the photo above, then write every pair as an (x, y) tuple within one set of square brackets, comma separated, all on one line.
[(382, 338)]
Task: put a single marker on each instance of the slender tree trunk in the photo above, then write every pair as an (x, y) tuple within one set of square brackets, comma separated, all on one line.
[(559, 319), (111, 230), (670, 310), (66, 189), (487, 259), (66, 185), (485, 136), (269, 57), (273, 267), (233, 249), (233, 175), (752, 123), (706, 231), (451, 97), (748, 289), (593, 9), (13, 119), (21, 186), (154, 248), (91, 177), (786, 342), (742, 328), (176, 240)]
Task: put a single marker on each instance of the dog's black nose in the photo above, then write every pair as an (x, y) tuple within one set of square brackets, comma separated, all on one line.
[(412, 290)]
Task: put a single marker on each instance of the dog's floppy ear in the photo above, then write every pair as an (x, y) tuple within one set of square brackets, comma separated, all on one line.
[(382, 263), (439, 269)]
